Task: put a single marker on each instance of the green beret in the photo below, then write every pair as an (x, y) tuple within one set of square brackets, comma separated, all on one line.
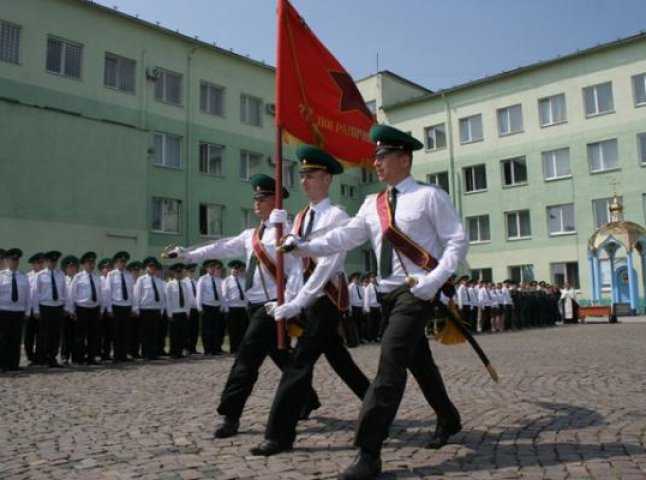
[(355, 274), (70, 260), (136, 265), (236, 264), (191, 267), (313, 158), (464, 277), (105, 262), (212, 261), (37, 257), (53, 255), (388, 138), (177, 267), (13, 253), (88, 256), (264, 185), (122, 255), (148, 261)]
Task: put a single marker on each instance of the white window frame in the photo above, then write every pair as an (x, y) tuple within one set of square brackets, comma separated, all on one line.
[(163, 150), (211, 158), (214, 215), (478, 228), (639, 89), (348, 191), (511, 165), (65, 68), (368, 176), (469, 172), (507, 121), (525, 273), (437, 179), (565, 270), (250, 164), (10, 35), (593, 94), (552, 159), (212, 99), (516, 217), (485, 274), (248, 219), (289, 174), (641, 148), (551, 114), (124, 73), (173, 206), (469, 127), (168, 87), (435, 137), (603, 150), (561, 215), (250, 107)]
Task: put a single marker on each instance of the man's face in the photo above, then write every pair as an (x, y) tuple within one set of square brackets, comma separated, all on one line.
[(71, 270), (262, 206), (89, 265), (52, 264), (38, 266), (392, 166), (177, 274), (12, 263), (315, 184), (120, 263)]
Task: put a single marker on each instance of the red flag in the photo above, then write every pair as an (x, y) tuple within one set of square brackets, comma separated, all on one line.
[(316, 99)]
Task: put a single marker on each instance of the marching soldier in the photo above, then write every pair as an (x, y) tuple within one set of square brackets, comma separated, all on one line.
[(178, 305), (237, 319), (119, 292), (149, 302), (15, 305), (193, 328), (33, 342), (212, 306)]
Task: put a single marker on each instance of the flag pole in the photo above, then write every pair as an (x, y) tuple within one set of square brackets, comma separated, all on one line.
[(280, 274)]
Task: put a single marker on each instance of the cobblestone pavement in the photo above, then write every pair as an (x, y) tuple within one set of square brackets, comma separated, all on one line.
[(571, 404)]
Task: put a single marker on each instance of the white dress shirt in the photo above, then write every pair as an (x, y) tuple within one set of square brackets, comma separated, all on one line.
[(424, 213), (485, 298), (42, 293), (23, 289), (231, 291), (80, 292), (114, 292), (206, 295), (191, 284), (356, 295), (144, 293), (464, 296), (370, 297), (172, 297)]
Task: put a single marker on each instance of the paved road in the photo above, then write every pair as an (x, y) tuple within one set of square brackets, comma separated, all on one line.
[(571, 404)]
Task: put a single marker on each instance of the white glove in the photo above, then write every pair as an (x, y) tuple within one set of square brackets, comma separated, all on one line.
[(287, 310), (278, 217), (425, 287), (290, 243), (175, 251), (270, 307)]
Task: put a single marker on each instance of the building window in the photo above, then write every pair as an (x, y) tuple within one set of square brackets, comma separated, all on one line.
[(435, 137), (250, 109), (10, 42), (289, 174), (439, 179), (484, 274), (471, 129), (64, 57), (211, 99), (556, 164), (369, 260), (603, 156), (601, 210), (348, 191), (639, 89), (551, 110), (478, 228), (641, 141), (248, 219), (598, 99), (211, 219), (367, 176), (372, 106), (510, 120), (119, 72), (475, 178), (166, 215), (249, 164), (560, 219), (168, 87), (521, 273), (167, 150), (518, 225), (211, 158), (514, 171), (567, 272)]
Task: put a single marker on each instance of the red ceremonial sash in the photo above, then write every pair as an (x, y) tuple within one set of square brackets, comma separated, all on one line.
[(262, 254), (339, 296), (399, 239)]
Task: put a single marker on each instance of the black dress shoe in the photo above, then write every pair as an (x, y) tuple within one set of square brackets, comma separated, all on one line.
[(228, 428), (441, 436), (270, 447), (308, 408), (365, 466)]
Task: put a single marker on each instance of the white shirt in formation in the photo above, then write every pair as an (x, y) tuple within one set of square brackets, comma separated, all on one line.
[(174, 299), (80, 292), (43, 292), (210, 292), (23, 292), (232, 288), (144, 297), (114, 290)]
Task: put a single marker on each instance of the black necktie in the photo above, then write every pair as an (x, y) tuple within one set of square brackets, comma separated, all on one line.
[(358, 291), (253, 263), (239, 289), (193, 288), (54, 288), (14, 287), (386, 257), (181, 294), (152, 280), (215, 289), (93, 287), (310, 223), (124, 289)]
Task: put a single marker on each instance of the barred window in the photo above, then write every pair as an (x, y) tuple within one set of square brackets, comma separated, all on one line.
[(167, 150), (10, 42), (211, 99), (119, 72), (250, 109), (168, 87), (64, 57), (211, 158)]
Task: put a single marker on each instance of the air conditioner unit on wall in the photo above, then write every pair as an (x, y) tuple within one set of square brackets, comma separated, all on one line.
[(152, 73), (270, 109)]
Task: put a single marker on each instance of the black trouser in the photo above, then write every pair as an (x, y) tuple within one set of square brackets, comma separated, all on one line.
[(178, 328), (212, 329), (10, 336), (31, 340), (105, 336), (134, 337), (162, 333), (359, 321), (51, 325), (403, 346), (506, 316), (485, 319), (258, 342), (465, 314), (193, 331), (87, 333), (121, 317), (350, 330), (373, 321), (237, 322), (149, 329), (320, 336), (68, 351)]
